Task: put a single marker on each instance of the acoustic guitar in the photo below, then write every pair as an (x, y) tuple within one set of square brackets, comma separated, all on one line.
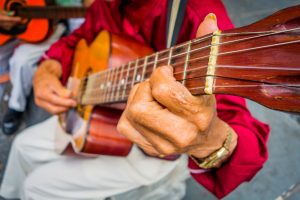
[(260, 62), (35, 26)]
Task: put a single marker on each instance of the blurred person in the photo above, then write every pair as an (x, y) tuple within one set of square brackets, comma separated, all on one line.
[(21, 59), (203, 124)]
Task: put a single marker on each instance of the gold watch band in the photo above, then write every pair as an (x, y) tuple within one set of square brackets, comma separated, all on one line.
[(215, 159)]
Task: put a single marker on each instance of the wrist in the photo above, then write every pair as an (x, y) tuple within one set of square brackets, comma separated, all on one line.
[(218, 147)]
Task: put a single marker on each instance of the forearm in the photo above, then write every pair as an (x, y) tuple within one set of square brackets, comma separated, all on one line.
[(247, 158)]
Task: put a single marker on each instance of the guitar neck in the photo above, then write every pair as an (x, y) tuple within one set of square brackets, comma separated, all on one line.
[(50, 12), (238, 62)]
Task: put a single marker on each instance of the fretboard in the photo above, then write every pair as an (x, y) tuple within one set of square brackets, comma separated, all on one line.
[(114, 85), (51, 12), (214, 64)]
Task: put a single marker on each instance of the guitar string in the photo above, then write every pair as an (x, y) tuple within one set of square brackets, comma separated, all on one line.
[(194, 50), (96, 99), (239, 51), (114, 86), (116, 76), (110, 94)]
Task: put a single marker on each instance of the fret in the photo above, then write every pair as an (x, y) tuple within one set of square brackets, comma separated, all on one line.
[(144, 67), (155, 61), (125, 84), (170, 55), (139, 70), (115, 75), (95, 93), (120, 81), (89, 89), (186, 63), (149, 66), (212, 61), (101, 86), (134, 74), (107, 85)]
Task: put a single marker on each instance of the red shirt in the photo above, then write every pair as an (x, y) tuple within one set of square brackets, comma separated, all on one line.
[(145, 20)]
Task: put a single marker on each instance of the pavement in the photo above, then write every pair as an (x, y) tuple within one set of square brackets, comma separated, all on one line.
[(280, 176)]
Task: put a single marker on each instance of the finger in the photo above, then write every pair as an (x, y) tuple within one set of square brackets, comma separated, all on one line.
[(173, 95), (47, 94), (8, 17), (208, 25), (152, 117), (132, 93), (59, 89), (53, 109), (143, 97), (162, 145), (57, 100), (124, 127)]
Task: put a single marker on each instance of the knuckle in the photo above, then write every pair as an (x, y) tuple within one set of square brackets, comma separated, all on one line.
[(186, 140), (167, 150), (137, 110), (182, 143), (121, 127), (204, 121)]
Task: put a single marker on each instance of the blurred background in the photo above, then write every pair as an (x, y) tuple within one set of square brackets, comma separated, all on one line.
[(280, 177)]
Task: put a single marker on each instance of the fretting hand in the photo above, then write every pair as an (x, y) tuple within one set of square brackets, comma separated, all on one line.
[(7, 21), (163, 118)]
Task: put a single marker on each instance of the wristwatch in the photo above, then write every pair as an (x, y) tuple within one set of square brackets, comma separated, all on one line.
[(215, 159)]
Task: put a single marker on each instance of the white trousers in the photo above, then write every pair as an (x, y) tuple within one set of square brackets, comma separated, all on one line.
[(22, 64), (35, 171)]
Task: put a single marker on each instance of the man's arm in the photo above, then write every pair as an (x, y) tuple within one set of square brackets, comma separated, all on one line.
[(187, 125), (50, 94)]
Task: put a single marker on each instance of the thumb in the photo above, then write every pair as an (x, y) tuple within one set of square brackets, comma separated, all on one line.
[(208, 25)]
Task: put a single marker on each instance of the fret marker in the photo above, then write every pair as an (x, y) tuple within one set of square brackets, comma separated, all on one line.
[(138, 78), (122, 82), (212, 61), (108, 84), (102, 86)]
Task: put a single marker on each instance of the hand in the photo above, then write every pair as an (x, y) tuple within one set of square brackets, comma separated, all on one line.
[(50, 94), (88, 3), (7, 22), (164, 118)]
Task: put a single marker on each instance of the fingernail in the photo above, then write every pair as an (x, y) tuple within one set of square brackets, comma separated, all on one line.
[(212, 17)]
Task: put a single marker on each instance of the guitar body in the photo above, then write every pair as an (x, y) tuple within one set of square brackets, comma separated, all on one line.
[(33, 31), (91, 130)]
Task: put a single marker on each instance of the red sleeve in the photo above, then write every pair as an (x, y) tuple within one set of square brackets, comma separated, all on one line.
[(98, 17), (249, 155), (251, 151)]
